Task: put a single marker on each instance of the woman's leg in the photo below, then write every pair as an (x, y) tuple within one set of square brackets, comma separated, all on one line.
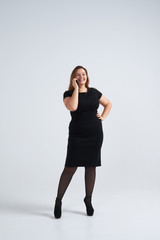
[(64, 181), (90, 175)]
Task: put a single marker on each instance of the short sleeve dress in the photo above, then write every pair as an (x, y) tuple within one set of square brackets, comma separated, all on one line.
[(85, 135)]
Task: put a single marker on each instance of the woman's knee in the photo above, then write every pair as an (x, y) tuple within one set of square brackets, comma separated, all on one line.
[(70, 170), (90, 169)]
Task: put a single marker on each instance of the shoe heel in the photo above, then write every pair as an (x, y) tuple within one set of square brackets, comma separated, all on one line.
[(89, 207), (57, 208)]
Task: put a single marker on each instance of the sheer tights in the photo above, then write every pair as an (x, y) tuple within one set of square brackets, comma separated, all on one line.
[(66, 176), (64, 181)]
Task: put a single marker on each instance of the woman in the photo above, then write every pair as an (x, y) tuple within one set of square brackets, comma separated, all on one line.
[(85, 135)]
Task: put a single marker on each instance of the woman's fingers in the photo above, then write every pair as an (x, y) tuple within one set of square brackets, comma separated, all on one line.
[(98, 115)]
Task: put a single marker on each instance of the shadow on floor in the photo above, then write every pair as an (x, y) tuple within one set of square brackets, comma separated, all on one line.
[(35, 209)]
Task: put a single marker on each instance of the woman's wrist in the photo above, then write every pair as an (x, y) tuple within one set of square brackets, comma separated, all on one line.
[(102, 118)]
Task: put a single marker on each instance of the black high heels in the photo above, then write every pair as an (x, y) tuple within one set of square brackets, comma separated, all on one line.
[(89, 207), (57, 208)]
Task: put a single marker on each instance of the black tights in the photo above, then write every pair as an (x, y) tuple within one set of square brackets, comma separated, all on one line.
[(66, 176)]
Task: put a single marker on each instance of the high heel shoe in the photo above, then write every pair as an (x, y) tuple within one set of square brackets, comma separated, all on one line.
[(57, 208), (89, 207)]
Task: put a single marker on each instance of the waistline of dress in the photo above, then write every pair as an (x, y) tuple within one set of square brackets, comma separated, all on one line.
[(82, 115)]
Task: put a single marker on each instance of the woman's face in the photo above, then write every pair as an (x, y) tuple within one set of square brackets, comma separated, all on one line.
[(81, 76)]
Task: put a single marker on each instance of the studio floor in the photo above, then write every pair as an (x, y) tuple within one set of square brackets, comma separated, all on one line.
[(118, 216)]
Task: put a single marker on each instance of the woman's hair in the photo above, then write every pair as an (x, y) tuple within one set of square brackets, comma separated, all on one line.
[(73, 75)]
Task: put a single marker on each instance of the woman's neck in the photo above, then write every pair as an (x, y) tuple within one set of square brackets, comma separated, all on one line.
[(82, 89)]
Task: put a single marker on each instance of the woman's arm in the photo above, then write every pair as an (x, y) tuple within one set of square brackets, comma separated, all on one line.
[(71, 103), (107, 107)]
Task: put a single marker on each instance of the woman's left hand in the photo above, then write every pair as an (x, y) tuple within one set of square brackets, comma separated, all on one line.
[(99, 116)]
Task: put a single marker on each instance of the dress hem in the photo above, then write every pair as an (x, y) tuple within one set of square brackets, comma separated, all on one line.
[(83, 166)]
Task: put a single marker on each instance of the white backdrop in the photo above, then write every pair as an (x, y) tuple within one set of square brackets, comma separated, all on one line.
[(41, 43)]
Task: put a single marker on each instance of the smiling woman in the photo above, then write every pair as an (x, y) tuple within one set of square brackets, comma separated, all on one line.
[(81, 75), (85, 135)]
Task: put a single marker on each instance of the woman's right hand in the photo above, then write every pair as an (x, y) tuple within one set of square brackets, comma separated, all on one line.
[(74, 83)]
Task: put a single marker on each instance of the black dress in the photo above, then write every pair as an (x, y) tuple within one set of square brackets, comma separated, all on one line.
[(85, 131)]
